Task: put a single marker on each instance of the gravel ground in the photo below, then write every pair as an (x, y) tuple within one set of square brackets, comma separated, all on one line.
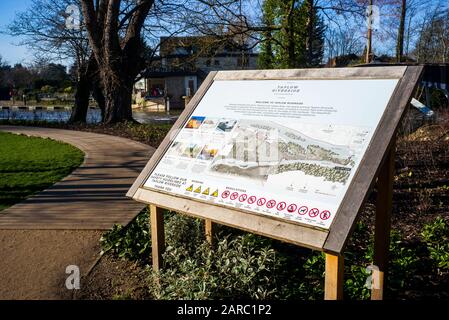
[(29, 258)]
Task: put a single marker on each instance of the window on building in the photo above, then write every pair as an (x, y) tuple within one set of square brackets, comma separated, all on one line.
[(191, 88), (181, 51), (156, 88)]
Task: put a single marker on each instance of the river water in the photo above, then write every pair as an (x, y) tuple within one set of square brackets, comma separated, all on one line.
[(93, 116)]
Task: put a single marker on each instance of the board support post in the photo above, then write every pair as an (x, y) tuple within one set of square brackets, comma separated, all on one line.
[(384, 205), (333, 282), (157, 236), (209, 230)]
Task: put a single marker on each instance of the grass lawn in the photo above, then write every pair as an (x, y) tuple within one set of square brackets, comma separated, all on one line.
[(29, 165)]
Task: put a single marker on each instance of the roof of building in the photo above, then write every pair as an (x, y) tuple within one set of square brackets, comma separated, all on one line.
[(203, 46)]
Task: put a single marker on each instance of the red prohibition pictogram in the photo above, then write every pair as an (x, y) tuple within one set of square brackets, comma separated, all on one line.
[(292, 208), (281, 206), (234, 195), (225, 194), (252, 199), (271, 204), (243, 197), (303, 210), (261, 202), (324, 215), (314, 212)]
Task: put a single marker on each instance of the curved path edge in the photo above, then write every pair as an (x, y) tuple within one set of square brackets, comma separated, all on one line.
[(92, 197)]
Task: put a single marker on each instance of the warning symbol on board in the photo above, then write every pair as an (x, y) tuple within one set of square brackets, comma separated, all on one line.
[(261, 201), (271, 204), (225, 194), (198, 190), (190, 188), (252, 199), (234, 195), (292, 208), (324, 215), (243, 197), (215, 194), (206, 192), (314, 212), (281, 206), (303, 210)]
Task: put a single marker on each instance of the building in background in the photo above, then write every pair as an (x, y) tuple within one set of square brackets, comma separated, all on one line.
[(183, 63)]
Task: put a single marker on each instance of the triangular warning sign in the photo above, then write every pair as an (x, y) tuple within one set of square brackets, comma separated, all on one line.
[(215, 194), (206, 192), (190, 188), (198, 190)]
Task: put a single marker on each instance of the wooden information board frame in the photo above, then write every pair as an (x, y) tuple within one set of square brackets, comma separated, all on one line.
[(377, 164)]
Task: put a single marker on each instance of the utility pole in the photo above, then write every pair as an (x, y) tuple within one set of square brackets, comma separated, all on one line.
[(242, 37), (369, 47), (401, 31)]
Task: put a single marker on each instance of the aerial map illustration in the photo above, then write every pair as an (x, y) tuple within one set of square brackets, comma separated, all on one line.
[(291, 151)]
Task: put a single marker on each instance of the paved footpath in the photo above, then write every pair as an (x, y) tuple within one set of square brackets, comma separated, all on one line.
[(93, 196), (61, 226)]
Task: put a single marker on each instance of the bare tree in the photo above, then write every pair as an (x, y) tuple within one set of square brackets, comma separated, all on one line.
[(43, 28), (118, 51), (401, 31), (433, 43)]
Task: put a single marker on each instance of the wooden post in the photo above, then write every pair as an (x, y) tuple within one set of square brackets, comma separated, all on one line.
[(427, 91), (209, 230), (384, 204), (157, 236), (333, 283)]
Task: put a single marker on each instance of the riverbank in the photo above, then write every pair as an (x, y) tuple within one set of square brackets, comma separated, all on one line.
[(62, 114)]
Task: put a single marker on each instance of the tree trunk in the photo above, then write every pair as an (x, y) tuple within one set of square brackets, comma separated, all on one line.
[(401, 31), (118, 52), (97, 93), (118, 98), (291, 37), (310, 25), (79, 111), (87, 80)]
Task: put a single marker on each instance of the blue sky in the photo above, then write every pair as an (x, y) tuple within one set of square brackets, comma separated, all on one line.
[(10, 52)]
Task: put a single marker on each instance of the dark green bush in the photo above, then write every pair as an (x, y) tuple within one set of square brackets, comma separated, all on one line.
[(131, 242), (233, 269), (244, 265), (436, 237)]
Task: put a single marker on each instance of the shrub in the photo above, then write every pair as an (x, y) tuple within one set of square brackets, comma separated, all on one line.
[(48, 89), (233, 269), (403, 263), (131, 242), (436, 237), (244, 265), (68, 90)]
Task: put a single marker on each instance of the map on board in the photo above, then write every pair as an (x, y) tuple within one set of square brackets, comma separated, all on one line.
[(282, 148)]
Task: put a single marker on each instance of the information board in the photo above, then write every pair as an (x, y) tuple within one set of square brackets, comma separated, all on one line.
[(288, 154), (283, 148)]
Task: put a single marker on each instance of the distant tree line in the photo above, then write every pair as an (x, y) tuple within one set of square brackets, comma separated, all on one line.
[(19, 80)]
